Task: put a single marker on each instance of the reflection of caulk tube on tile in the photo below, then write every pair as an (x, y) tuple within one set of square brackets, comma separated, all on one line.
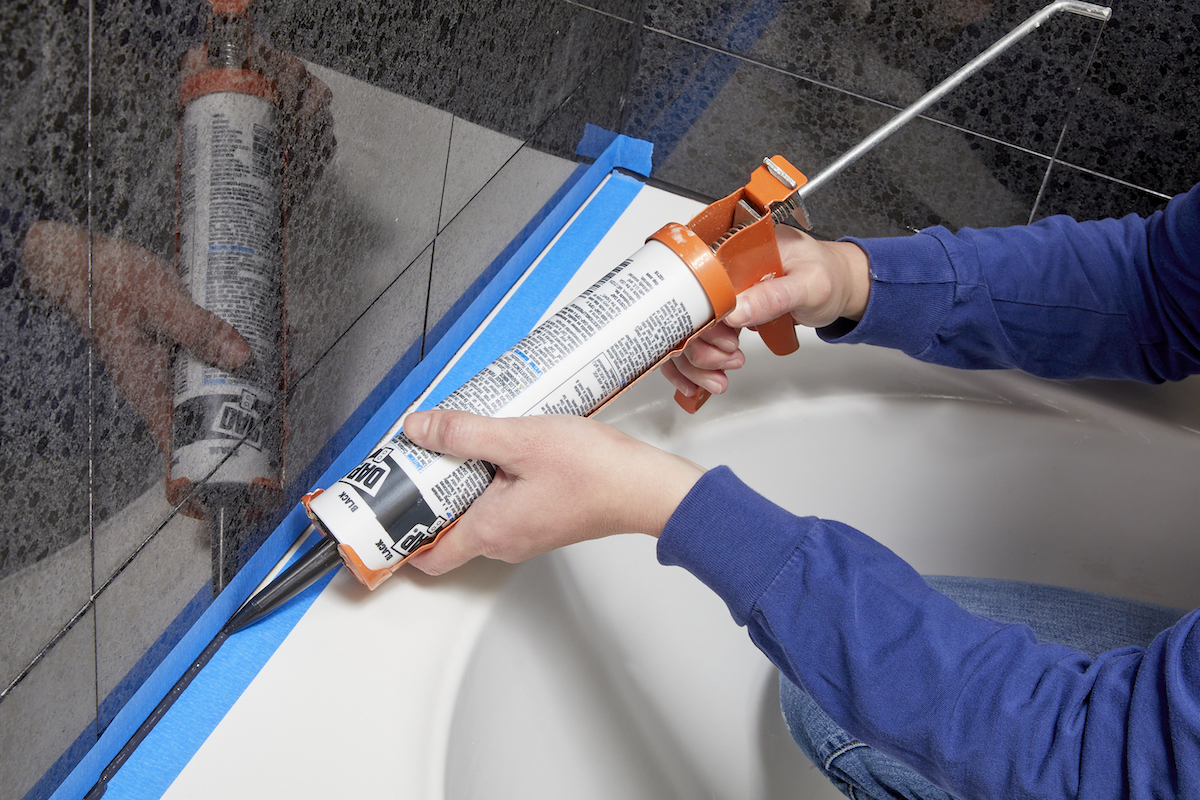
[(226, 436)]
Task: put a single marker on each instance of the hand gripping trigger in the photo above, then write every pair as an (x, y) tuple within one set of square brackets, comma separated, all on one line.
[(739, 230)]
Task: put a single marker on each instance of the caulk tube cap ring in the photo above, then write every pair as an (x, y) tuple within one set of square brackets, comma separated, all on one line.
[(241, 81), (699, 257)]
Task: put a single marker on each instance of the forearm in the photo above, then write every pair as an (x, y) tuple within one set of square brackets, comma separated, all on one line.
[(1061, 299), (979, 707)]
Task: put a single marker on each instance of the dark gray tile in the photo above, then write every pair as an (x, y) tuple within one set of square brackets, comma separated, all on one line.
[(473, 244), (387, 334), (505, 67), (172, 569), (476, 154), (37, 601), (1084, 195), (693, 103), (50, 713), (1136, 116), (372, 213), (895, 51)]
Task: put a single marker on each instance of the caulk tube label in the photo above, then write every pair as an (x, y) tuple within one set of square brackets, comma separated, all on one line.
[(230, 257), (570, 364)]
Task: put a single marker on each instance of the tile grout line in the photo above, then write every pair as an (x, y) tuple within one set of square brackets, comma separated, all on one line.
[(1067, 120), (437, 232), (893, 107), (91, 505)]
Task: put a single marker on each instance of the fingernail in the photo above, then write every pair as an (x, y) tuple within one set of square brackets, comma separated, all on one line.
[(739, 316), (416, 426)]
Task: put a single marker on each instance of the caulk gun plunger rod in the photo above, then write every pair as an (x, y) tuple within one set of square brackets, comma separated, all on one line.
[(322, 558), (945, 87)]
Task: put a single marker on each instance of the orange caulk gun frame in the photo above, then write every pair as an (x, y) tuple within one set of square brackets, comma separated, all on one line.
[(731, 246)]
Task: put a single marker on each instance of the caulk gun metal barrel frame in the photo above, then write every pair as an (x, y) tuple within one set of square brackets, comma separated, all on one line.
[(897, 122)]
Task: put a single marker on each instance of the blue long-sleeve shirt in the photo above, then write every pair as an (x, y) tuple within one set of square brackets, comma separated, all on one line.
[(979, 707)]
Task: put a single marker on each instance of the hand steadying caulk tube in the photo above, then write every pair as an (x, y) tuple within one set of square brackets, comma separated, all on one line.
[(560, 479), (822, 282)]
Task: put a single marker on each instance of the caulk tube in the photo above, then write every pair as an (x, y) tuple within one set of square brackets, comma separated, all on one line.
[(402, 496), (227, 428)]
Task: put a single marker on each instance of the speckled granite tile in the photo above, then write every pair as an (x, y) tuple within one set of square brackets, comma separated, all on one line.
[(505, 67), (1084, 195), (599, 100), (895, 51), (629, 10), (45, 555), (1136, 116), (927, 174), (137, 51)]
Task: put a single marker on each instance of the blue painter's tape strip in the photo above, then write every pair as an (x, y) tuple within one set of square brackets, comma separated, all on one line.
[(623, 152), (595, 141)]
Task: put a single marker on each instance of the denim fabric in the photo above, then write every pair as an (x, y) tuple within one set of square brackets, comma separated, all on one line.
[(1089, 622)]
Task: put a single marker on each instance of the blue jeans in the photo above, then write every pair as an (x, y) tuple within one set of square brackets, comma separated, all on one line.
[(1089, 622)]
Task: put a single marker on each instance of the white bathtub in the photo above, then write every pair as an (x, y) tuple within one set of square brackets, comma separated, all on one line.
[(601, 674)]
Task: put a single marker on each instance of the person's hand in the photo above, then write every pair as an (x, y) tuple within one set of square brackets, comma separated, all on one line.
[(305, 103), (821, 282), (559, 480), (139, 308)]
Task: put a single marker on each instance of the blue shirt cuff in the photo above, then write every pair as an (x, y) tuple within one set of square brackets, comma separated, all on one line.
[(731, 538), (912, 289)]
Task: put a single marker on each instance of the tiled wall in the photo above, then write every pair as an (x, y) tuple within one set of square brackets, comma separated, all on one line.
[(455, 123)]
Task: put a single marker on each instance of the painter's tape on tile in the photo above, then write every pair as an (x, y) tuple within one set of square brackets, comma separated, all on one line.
[(184, 727)]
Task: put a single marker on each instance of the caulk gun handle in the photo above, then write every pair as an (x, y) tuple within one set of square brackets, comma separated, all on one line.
[(779, 335)]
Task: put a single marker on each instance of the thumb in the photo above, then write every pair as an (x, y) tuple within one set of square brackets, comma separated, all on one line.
[(766, 301)]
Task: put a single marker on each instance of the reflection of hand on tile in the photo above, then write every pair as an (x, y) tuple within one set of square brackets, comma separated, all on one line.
[(134, 307)]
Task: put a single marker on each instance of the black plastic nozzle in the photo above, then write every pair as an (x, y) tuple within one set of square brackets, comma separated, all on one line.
[(322, 558)]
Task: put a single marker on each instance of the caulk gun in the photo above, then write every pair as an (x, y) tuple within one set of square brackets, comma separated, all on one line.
[(401, 498)]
